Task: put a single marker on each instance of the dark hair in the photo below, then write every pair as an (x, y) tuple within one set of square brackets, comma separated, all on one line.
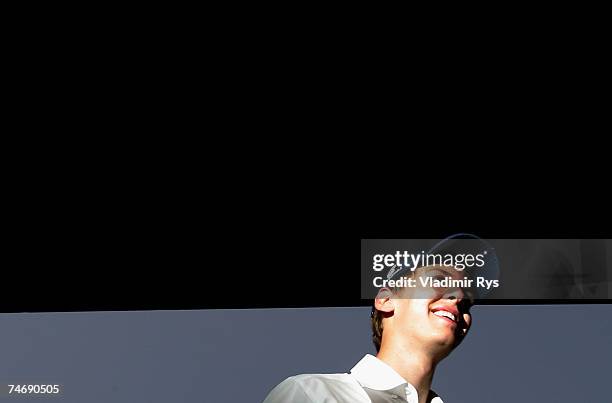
[(377, 316), (377, 327)]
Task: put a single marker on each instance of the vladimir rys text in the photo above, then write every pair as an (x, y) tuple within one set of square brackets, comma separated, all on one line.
[(445, 282)]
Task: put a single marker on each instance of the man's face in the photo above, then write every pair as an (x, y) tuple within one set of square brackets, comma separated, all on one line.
[(436, 318)]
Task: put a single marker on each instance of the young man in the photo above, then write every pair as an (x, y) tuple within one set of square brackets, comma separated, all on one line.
[(413, 330)]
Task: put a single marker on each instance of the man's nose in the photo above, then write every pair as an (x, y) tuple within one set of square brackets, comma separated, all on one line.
[(454, 293)]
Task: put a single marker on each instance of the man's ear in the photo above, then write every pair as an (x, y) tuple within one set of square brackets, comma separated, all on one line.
[(384, 301)]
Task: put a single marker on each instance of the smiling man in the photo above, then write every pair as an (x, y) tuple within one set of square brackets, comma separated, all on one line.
[(414, 328)]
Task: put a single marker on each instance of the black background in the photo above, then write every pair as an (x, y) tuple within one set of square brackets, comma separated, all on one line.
[(163, 178)]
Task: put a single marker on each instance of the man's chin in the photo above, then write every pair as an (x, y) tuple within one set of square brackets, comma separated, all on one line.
[(443, 342)]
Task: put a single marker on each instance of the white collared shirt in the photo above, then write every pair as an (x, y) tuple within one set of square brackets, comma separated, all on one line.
[(369, 379)]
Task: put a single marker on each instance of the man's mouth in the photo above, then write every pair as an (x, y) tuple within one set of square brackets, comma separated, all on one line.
[(446, 315)]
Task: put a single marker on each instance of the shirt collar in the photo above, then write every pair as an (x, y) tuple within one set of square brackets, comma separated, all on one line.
[(375, 374)]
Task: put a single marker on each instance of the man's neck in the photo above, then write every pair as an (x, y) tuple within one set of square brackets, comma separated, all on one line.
[(416, 367)]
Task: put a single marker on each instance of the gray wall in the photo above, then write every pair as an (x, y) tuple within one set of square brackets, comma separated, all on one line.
[(513, 354)]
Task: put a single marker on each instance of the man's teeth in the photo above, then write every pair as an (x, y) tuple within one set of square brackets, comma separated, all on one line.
[(445, 314)]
